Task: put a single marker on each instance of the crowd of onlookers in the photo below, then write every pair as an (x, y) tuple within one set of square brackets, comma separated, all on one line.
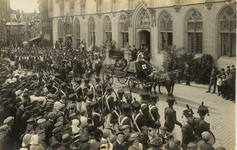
[(224, 80)]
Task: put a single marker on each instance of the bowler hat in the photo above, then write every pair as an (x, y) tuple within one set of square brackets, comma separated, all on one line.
[(67, 139)]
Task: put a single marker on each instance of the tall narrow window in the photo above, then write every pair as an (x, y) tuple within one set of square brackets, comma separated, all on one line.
[(60, 30), (107, 29), (194, 31), (166, 30), (123, 29), (92, 32), (228, 32), (77, 32)]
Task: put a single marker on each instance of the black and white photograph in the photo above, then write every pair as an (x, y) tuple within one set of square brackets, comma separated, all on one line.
[(117, 74)]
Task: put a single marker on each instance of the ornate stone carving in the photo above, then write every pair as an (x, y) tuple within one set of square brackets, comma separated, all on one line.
[(153, 16), (144, 21), (194, 16), (99, 15), (208, 6), (114, 14), (177, 8)]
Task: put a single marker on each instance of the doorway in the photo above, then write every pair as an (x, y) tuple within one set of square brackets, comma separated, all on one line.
[(144, 39)]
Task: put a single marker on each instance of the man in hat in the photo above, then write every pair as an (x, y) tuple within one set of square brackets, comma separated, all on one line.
[(154, 116), (49, 126), (109, 100), (137, 117), (124, 119), (170, 115), (67, 140), (118, 144), (77, 87), (87, 87), (41, 125), (56, 135), (97, 119), (212, 81), (200, 125), (187, 128), (206, 141)]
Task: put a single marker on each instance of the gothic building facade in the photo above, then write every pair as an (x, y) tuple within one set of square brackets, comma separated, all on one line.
[(200, 26)]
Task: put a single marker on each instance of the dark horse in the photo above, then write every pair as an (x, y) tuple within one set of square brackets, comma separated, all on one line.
[(163, 79)]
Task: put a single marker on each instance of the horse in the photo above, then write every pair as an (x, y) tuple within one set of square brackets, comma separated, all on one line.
[(163, 79)]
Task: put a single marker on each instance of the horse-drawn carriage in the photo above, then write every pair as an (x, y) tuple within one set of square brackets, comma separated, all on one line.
[(138, 73)]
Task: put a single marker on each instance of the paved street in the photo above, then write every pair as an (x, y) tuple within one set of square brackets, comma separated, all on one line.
[(222, 112)]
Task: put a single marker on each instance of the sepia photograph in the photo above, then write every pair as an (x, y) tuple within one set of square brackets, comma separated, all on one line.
[(117, 74)]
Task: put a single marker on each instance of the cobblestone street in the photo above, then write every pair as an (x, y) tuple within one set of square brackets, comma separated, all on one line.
[(222, 112)]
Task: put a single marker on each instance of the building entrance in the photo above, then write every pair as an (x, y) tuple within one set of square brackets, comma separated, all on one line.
[(144, 43)]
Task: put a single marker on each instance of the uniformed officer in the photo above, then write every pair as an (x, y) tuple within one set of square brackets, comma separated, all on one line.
[(170, 115), (144, 106), (89, 101), (109, 100), (87, 87), (199, 124), (187, 128), (77, 87), (154, 119), (137, 117), (97, 119), (124, 119)]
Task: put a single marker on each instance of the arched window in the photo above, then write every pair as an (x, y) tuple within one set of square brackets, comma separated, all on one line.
[(91, 31), (166, 28), (68, 30), (107, 29), (123, 29), (227, 21), (77, 32), (60, 30), (194, 31)]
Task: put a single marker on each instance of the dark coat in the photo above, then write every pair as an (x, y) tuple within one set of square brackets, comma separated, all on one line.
[(49, 126), (200, 126)]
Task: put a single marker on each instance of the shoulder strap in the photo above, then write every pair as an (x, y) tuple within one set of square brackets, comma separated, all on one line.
[(150, 108), (135, 119), (124, 118)]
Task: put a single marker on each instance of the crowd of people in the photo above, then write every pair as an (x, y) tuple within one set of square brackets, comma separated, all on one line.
[(56, 108), (224, 80)]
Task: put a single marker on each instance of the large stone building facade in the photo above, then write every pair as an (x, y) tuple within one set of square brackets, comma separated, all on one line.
[(199, 26)]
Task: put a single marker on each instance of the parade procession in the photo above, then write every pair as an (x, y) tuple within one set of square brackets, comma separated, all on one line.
[(60, 91)]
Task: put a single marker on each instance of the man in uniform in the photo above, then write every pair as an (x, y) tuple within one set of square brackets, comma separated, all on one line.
[(124, 119), (213, 79), (200, 125), (89, 101), (97, 119), (154, 119), (187, 128), (170, 115), (137, 117)]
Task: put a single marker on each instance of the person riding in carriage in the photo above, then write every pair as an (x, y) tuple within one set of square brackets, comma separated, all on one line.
[(143, 68)]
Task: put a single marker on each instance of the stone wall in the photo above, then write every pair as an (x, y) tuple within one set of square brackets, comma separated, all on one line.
[(209, 10)]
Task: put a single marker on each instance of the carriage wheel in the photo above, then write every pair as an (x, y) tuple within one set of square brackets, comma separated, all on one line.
[(122, 80), (133, 85), (108, 77)]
